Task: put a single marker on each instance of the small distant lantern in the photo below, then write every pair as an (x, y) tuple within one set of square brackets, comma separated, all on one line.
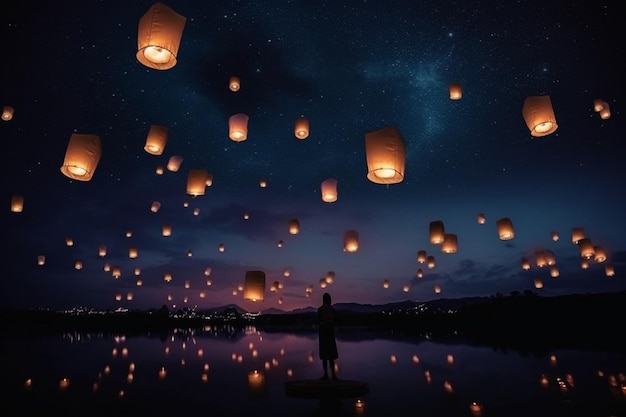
[(605, 113), (294, 227), (323, 283), (550, 257), (481, 219), (106, 267), (420, 273), (7, 113), (430, 262), (174, 163), (586, 248), (133, 252), (609, 270), (207, 271), (139, 282), (476, 409), (209, 179), (17, 204), (130, 296), (166, 230), (584, 264), (385, 152), (238, 127), (189, 253), (196, 211), (187, 284), (81, 157), (539, 115), (406, 288), (540, 258), (287, 272), (538, 283), (102, 251), (167, 277), (598, 104), (525, 264), (129, 233), (156, 140), (505, 228), (158, 39), (254, 286), (280, 244), (64, 384), (78, 265), (246, 216), (351, 241), (578, 233), (456, 92), (196, 181), (554, 272), (69, 241), (301, 129), (116, 271), (421, 256), (329, 190), (159, 170), (234, 84), (137, 271), (450, 243), (41, 260), (262, 183), (386, 283), (186, 204), (555, 236), (155, 206), (221, 247), (437, 289), (436, 231), (330, 277)]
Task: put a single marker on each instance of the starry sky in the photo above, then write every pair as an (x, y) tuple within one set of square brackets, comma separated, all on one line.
[(350, 68)]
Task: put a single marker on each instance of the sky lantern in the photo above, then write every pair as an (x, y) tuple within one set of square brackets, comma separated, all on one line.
[(234, 84), (385, 153), (554, 236), (106, 267), (156, 140), (554, 272), (584, 264), (329, 190), (450, 243), (430, 262), (41, 260), (116, 271), (386, 283), (578, 233), (599, 254), (238, 127), (102, 251), (254, 286), (351, 241), (609, 270), (81, 157), (221, 247), (137, 271), (301, 128), (166, 230), (209, 179), (174, 163), (525, 263), (196, 181), (598, 104), (437, 289), (294, 227), (263, 183), (605, 113), (540, 258), (505, 228), (159, 35), (539, 115), (159, 170), (481, 219), (17, 204), (129, 233), (550, 257), (421, 256), (456, 91), (69, 241), (586, 248), (207, 271), (330, 277), (7, 113), (323, 283), (78, 265), (167, 277), (538, 282), (436, 232), (133, 252), (155, 206)]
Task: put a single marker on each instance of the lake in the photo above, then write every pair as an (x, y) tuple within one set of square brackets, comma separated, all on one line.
[(231, 371)]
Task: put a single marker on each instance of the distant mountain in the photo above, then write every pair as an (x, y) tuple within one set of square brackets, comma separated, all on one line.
[(224, 308)]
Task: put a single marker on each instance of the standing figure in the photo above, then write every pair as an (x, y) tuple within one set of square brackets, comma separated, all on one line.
[(326, 333)]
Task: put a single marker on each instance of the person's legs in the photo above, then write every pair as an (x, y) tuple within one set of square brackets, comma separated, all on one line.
[(325, 366), (332, 369)]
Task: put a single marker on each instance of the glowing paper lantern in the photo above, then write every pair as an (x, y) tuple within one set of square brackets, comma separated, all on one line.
[(430, 262), (539, 115), (254, 286), (196, 181), (234, 84), (323, 283), (421, 256), (81, 157), (301, 129), (41, 260), (436, 232), (476, 409), (330, 277), (133, 252), (7, 113), (221, 247), (17, 204), (262, 183), (385, 153), (555, 236), (525, 264), (599, 254), (116, 271), (481, 219), (174, 163), (505, 228), (538, 283), (69, 241), (294, 227), (329, 190), (159, 170), (598, 104), (609, 270), (102, 251), (155, 206), (578, 233), (605, 112), (586, 248), (78, 265), (209, 179), (238, 127), (351, 241), (156, 140), (540, 258), (420, 273), (159, 35), (450, 243), (437, 289), (456, 92), (554, 272), (167, 277)]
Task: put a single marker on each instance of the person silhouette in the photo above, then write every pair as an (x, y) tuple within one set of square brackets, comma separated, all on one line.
[(326, 336)]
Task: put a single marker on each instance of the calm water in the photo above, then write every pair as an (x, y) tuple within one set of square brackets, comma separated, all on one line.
[(207, 372)]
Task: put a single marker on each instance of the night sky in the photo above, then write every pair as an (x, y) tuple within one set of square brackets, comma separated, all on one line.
[(350, 68)]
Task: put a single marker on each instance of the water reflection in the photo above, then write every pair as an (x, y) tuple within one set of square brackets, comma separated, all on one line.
[(225, 370)]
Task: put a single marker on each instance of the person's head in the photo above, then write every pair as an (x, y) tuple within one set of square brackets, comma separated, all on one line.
[(326, 298)]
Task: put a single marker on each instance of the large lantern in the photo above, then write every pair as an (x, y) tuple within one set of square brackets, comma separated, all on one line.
[(505, 228), (17, 204), (238, 127), (254, 286), (7, 113), (587, 250), (385, 153), (436, 232), (159, 35), (196, 181), (156, 140), (539, 115), (81, 157), (351, 241), (456, 92), (301, 129), (578, 233), (450, 243), (329, 190)]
